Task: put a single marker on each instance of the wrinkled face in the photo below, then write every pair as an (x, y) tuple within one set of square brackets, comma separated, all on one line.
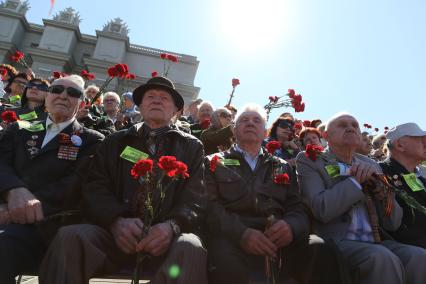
[(157, 105), (225, 119), (18, 85), (250, 128), (63, 104), (91, 92), (413, 147), (284, 134), (311, 138), (344, 131), (111, 104), (205, 112), (36, 91), (193, 109)]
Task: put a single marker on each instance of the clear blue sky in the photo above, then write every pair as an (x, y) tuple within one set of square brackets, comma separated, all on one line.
[(361, 56)]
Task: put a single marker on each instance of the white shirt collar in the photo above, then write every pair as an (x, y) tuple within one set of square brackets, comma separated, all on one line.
[(60, 125)]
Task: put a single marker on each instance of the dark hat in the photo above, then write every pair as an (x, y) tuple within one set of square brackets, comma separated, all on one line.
[(158, 83)]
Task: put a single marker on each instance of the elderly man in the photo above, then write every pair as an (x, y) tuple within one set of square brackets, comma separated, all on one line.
[(332, 183), (256, 211), (39, 174), (116, 232), (205, 110), (407, 146), (365, 146)]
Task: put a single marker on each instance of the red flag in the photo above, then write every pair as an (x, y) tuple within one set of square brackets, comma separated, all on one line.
[(52, 3)]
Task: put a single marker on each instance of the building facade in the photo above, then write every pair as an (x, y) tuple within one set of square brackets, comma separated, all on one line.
[(58, 45)]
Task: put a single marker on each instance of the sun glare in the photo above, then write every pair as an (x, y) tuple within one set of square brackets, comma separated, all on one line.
[(250, 25)]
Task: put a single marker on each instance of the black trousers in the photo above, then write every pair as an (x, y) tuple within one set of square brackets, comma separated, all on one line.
[(306, 261), (21, 250)]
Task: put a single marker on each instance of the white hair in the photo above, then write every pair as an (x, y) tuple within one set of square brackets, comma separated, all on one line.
[(76, 79), (206, 103), (252, 108), (335, 117), (112, 94)]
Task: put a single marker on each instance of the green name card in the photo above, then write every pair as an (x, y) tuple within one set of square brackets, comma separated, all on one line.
[(413, 182), (230, 162), (333, 170), (28, 116), (14, 99), (424, 163), (133, 155)]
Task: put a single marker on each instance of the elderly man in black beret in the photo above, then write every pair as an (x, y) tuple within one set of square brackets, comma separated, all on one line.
[(116, 231), (39, 176)]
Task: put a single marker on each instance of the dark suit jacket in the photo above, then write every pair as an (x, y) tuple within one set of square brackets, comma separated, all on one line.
[(413, 228), (110, 191), (241, 198), (52, 180)]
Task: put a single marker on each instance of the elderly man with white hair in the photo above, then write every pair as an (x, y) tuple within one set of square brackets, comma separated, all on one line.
[(256, 211), (39, 175), (336, 183), (407, 149)]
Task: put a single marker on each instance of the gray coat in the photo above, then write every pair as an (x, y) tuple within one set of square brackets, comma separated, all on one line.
[(331, 199)]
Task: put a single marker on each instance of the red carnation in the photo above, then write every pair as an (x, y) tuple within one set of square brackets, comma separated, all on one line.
[(306, 123), (235, 82), (17, 56), (273, 99), (300, 108), (213, 163), (297, 99), (86, 75), (130, 76), (366, 125), (282, 179), (56, 74), (376, 129), (141, 168), (298, 125), (272, 146), (3, 72), (84, 72), (154, 74), (172, 58), (312, 151), (205, 124), (291, 93), (167, 164), (180, 170), (9, 116), (163, 55), (386, 128)]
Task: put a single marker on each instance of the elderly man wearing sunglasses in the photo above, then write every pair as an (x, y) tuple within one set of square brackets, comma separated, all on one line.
[(40, 175)]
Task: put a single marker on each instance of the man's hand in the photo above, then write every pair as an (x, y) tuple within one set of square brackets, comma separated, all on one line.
[(4, 215), (158, 240), (255, 242), (81, 113), (362, 171), (127, 232), (23, 206), (280, 233)]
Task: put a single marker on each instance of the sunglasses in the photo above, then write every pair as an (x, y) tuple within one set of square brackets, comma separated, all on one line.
[(72, 92), (40, 87)]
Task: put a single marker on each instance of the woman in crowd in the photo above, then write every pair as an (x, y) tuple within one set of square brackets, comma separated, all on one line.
[(32, 101), (205, 111), (310, 135), (15, 88), (218, 137), (282, 130)]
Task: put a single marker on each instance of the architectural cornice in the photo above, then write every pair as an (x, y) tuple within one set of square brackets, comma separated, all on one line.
[(63, 25)]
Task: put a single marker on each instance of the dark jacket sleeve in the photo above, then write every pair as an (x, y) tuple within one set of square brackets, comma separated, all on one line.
[(221, 222), (191, 203), (8, 177), (69, 185), (100, 204), (212, 138), (296, 213)]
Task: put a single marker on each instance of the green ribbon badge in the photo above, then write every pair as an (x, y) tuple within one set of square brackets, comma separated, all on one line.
[(424, 163), (413, 182), (14, 99), (28, 116), (30, 127), (196, 131), (230, 162), (133, 155), (333, 170)]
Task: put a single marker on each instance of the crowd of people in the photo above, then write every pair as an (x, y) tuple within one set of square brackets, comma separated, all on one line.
[(93, 182)]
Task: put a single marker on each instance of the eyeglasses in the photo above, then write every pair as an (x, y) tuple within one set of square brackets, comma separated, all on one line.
[(72, 92), (40, 87)]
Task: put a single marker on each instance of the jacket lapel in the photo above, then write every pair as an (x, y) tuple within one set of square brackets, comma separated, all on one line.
[(54, 143)]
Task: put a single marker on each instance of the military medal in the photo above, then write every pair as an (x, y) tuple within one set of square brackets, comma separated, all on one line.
[(33, 151), (31, 143), (69, 153)]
